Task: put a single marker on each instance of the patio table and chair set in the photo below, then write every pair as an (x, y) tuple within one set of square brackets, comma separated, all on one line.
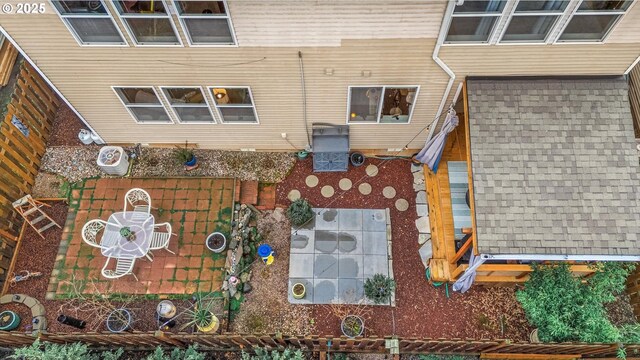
[(128, 235)]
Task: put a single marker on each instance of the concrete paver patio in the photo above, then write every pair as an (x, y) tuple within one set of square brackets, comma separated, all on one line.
[(194, 207)]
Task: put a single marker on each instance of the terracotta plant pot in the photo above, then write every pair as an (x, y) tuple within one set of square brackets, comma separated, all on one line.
[(299, 291)]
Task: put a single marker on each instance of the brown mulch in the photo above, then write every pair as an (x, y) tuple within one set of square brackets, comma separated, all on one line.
[(422, 310), (66, 126)]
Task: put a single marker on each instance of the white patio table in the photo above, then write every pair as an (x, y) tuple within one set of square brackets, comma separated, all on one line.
[(116, 246)]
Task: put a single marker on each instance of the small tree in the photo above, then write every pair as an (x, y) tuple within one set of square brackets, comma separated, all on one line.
[(379, 288), (567, 308), (299, 212)]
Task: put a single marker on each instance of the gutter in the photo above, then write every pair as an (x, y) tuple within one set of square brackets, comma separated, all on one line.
[(536, 257), (435, 56), (46, 79)]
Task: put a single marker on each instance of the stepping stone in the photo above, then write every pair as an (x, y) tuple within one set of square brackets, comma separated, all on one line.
[(415, 168), (389, 192), (294, 195), (364, 188), (372, 170), (327, 191), (311, 181), (345, 184), (423, 225), (418, 178), (421, 197), (402, 205)]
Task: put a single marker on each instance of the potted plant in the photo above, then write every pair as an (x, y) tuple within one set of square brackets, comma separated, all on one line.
[(216, 242), (299, 291), (186, 156), (126, 233), (352, 326), (202, 316), (302, 154), (119, 320), (300, 212), (379, 288), (357, 158)]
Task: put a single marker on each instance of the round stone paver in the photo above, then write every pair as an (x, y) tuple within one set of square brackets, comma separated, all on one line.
[(311, 181), (327, 191), (389, 192), (294, 195), (364, 188), (345, 184), (372, 170), (402, 205)]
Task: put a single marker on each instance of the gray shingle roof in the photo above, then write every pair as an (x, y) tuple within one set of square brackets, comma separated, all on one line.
[(555, 168)]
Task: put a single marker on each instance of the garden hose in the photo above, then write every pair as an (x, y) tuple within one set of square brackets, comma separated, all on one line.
[(436, 283)]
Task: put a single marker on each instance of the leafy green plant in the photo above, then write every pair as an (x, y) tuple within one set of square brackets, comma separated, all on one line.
[(191, 353), (201, 315), (441, 357), (50, 351), (299, 212), (566, 308), (630, 334), (379, 288), (183, 154), (263, 354)]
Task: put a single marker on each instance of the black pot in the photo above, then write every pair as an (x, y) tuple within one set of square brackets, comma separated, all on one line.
[(357, 158)]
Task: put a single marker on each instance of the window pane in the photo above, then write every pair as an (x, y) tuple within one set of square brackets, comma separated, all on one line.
[(236, 96), (364, 104), (529, 28), (200, 7), (193, 114), (79, 7), (589, 5), (143, 7), (95, 30), (542, 6), (209, 31), (238, 114), (397, 104), (491, 6), (150, 114), (138, 96), (470, 29), (185, 96), (588, 27), (156, 31)]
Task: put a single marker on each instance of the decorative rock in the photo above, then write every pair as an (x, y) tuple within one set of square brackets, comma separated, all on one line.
[(426, 252), (364, 188), (238, 296), (423, 224), (418, 187), (422, 210), (327, 191), (416, 167), (402, 205), (418, 178), (278, 214), (372, 170), (345, 184), (423, 238), (246, 288), (389, 192), (294, 195), (312, 181), (421, 197), (245, 276)]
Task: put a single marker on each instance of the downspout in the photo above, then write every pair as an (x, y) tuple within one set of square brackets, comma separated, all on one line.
[(304, 102), (46, 79), (452, 76)]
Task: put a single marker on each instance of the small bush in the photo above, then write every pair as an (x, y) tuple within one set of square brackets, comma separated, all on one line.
[(299, 212), (262, 354), (50, 351), (379, 288), (191, 353)]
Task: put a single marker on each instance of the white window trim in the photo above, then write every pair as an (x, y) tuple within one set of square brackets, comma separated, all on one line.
[(187, 35), (123, 19), (496, 24), (621, 14), (127, 106), (104, 16), (384, 88), (253, 105), (558, 14), (175, 113)]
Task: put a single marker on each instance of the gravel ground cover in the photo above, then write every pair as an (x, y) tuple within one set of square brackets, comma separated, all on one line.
[(421, 309), (66, 126)]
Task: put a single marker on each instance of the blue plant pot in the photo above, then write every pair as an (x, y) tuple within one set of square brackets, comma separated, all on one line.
[(191, 162)]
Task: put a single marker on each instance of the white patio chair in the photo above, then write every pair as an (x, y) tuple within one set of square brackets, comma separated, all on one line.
[(139, 200), (90, 232), (160, 238), (123, 267)]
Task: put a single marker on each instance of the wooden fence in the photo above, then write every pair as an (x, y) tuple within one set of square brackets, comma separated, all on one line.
[(31, 105), (634, 97), (237, 342), (633, 290)]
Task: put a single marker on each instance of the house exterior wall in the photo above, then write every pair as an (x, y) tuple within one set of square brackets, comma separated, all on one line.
[(392, 40)]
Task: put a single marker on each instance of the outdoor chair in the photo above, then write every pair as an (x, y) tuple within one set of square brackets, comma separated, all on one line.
[(90, 231), (139, 200), (123, 267), (160, 238)]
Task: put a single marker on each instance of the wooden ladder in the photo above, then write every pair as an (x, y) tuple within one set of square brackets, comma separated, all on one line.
[(31, 210)]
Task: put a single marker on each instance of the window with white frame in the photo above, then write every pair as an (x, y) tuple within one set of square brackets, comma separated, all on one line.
[(206, 22), (188, 104), (90, 22), (532, 21), (593, 20), (143, 104), (381, 104), (148, 22), (235, 104), (474, 21)]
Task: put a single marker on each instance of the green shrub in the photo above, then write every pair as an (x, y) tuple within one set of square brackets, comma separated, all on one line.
[(191, 353), (566, 308), (299, 212), (263, 354), (379, 288), (50, 351)]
